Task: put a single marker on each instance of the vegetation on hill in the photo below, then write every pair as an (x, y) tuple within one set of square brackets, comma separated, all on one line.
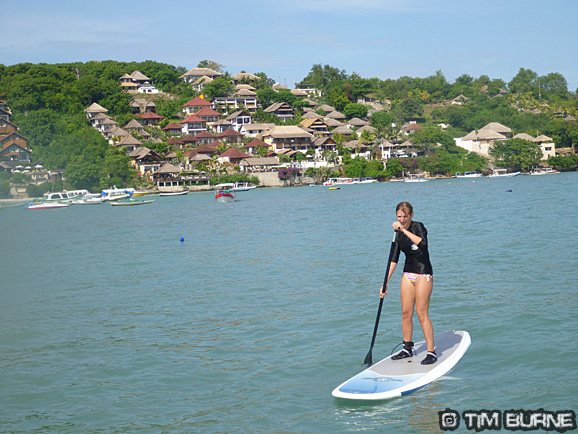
[(48, 103)]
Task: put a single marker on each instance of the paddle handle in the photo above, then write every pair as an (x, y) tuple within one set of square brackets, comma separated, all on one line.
[(368, 358)]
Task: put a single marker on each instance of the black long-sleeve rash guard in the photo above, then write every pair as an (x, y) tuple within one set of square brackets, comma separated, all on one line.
[(416, 256)]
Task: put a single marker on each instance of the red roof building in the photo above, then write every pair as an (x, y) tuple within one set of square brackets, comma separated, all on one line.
[(231, 135), (233, 156), (173, 128), (208, 114), (150, 119), (196, 104), (194, 125)]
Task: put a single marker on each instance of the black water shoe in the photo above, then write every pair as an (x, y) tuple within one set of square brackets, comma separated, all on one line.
[(430, 358), (406, 351)]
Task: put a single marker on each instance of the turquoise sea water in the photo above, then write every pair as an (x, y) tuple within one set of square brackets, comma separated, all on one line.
[(110, 324)]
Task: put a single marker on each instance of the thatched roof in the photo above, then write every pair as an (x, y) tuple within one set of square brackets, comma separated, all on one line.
[(95, 108), (201, 157), (311, 115), (260, 161), (542, 138), (287, 132), (369, 128), (333, 123), (524, 136), (246, 75), (356, 122), (336, 115), (490, 134), (298, 92), (139, 76), (327, 108), (497, 127), (169, 168), (135, 125), (129, 140), (245, 92), (343, 130), (198, 72)]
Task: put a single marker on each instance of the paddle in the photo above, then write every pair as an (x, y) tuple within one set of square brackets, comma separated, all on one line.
[(369, 359)]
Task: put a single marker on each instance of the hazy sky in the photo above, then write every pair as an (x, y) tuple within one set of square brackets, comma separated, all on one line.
[(284, 39)]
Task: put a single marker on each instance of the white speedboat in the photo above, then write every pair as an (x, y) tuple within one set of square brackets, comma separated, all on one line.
[(502, 173), (132, 202), (47, 205), (174, 193), (112, 194), (89, 199), (341, 181), (63, 196), (415, 178), (368, 180), (243, 186), (543, 171), (468, 175)]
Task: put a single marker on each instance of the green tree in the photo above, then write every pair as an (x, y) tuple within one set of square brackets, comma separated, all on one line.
[(354, 110), (115, 169), (431, 137), (219, 87), (320, 76), (408, 109), (266, 96), (382, 119), (211, 64), (553, 85), (517, 154), (523, 81)]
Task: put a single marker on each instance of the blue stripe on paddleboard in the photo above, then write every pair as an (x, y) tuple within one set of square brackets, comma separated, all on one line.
[(369, 382)]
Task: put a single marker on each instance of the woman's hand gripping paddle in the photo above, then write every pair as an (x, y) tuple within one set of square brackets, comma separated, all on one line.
[(369, 359)]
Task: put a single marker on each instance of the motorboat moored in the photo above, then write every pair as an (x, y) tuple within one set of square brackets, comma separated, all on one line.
[(502, 173)]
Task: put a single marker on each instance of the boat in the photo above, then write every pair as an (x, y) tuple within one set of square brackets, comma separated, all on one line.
[(502, 173), (132, 202), (112, 194), (47, 205), (543, 171), (140, 193), (243, 186), (63, 196), (174, 193), (89, 199), (341, 181), (334, 188), (225, 192), (368, 180), (415, 178), (468, 175)]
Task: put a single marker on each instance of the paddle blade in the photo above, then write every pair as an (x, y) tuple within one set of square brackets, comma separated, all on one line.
[(368, 359)]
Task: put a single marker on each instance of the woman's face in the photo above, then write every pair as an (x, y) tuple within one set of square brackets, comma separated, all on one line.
[(403, 218)]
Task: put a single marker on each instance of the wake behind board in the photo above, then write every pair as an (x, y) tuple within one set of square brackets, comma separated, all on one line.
[(392, 378)]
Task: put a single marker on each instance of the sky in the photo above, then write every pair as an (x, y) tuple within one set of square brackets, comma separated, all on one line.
[(284, 39)]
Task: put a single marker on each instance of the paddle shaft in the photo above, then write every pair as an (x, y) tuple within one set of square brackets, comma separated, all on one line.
[(368, 357)]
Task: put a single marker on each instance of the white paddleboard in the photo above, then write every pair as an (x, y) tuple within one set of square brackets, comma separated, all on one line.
[(392, 378)]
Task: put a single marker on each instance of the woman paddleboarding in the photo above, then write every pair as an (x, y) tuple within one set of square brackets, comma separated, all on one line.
[(416, 283)]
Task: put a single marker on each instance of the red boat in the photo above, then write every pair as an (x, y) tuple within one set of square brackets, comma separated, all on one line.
[(225, 193)]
